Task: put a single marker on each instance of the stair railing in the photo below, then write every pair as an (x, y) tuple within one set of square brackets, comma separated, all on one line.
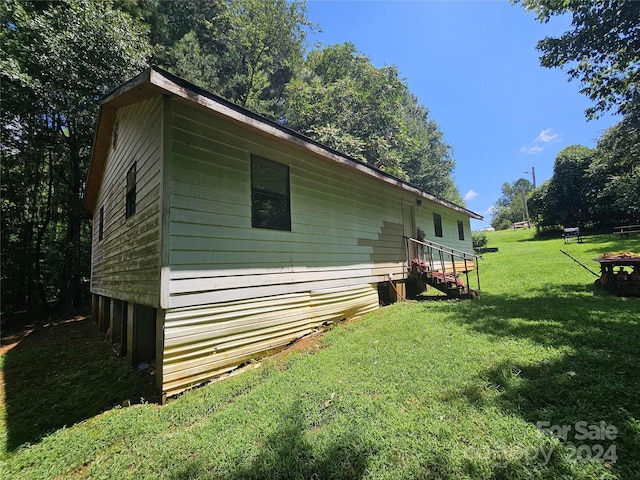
[(433, 253)]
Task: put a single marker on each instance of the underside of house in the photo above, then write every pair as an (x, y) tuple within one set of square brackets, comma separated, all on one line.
[(220, 236)]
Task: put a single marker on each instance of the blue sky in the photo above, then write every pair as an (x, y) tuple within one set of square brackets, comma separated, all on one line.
[(475, 66)]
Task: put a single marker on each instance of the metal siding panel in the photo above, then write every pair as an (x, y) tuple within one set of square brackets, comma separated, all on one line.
[(256, 290), (201, 343)]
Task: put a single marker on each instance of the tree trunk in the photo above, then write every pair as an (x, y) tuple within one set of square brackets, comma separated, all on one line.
[(42, 229), (71, 276), (75, 220)]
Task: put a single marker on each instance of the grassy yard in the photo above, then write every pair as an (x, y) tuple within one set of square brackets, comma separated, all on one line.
[(422, 389)]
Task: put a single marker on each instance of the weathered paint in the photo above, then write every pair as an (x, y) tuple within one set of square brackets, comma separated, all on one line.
[(126, 262), (347, 229)]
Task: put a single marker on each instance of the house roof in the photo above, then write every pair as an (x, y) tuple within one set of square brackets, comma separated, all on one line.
[(155, 81)]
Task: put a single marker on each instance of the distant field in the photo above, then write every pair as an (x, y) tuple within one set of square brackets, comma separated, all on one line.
[(538, 378)]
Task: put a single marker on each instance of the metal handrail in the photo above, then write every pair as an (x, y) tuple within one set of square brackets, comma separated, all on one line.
[(444, 248), (429, 257)]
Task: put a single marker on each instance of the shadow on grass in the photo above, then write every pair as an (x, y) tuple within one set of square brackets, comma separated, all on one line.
[(291, 453), (62, 373), (596, 380), (294, 450)]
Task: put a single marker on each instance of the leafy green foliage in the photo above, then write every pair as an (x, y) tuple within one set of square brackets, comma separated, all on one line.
[(567, 201), (593, 188), (480, 240), (510, 207), (601, 51), (57, 60), (427, 159), (340, 99), (244, 50), (615, 174)]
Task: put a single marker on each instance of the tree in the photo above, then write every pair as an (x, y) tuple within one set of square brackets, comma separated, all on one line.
[(340, 99), (593, 188), (243, 50), (568, 199), (615, 176), (510, 207), (427, 158), (343, 101), (538, 208), (602, 50), (58, 59)]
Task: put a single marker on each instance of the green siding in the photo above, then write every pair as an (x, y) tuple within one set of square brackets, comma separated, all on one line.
[(340, 218), (126, 262)]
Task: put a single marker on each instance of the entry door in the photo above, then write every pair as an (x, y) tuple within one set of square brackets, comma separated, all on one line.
[(409, 227)]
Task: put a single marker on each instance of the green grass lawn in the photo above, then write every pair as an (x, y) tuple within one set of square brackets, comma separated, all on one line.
[(421, 389)]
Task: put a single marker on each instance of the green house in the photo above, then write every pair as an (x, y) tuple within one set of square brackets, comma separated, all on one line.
[(220, 236)]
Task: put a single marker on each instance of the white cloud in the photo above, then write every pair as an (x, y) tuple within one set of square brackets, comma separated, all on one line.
[(531, 150), (490, 210), (547, 136), (470, 195)]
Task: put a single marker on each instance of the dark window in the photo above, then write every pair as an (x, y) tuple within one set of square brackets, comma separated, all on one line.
[(131, 191), (101, 224), (460, 230), (270, 206), (437, 224), (114, 138)]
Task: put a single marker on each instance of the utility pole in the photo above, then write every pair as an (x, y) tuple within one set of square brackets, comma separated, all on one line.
[(533, 174), (526, 210)]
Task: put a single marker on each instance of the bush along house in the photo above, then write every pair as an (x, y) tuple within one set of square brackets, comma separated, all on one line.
[(220, 236)]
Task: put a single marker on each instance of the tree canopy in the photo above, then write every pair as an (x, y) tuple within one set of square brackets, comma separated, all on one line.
[(510, 207), (57, 60), (599, 187), (591, 188), (567, 196), (339, 98), (243, 50)]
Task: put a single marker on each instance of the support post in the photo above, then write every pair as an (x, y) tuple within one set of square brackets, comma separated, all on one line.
[(130, 320)]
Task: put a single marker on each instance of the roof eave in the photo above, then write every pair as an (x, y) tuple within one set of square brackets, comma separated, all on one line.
[(154, 81)]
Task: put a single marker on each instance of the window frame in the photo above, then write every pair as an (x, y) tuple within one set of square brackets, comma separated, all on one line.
[(460, 230), (130, 195), (437, 225), (101, 224), (282, 221)]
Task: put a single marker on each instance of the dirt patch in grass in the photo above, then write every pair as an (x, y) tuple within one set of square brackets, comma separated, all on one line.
[(309, 344)]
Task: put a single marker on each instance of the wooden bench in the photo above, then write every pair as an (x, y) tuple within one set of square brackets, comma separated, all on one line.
[(625, 230), (572, 232)]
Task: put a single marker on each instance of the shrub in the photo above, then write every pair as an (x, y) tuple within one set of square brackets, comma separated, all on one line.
[(479, 240)]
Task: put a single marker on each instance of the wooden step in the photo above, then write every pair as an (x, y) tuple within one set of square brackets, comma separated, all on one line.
[(459, 266), (449, 284)]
